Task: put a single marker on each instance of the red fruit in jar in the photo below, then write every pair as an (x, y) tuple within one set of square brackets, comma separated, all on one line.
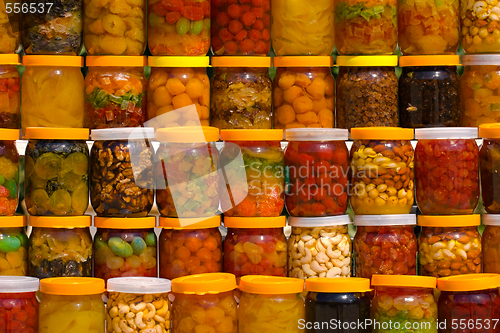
[(159, 9), (192, 13), (254, 35), (234, 27), (225, 35), (231, 47), (306, 160), (240, 36), (247, 45), (258, 25), (261, 47), (234, 11), (257, 3), (258, 12), (248, 19), (172, 5), (222, 19), (173, 17)]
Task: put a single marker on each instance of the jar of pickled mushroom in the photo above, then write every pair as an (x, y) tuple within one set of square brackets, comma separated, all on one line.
[(447, 170), (277, 297), (489, 164), (18, 304), (491, 243), (405, 303), (303, 92), (13, 246), (52, 94), (121, 172), (9, 27), (241, 93), (339, 301), (241, 28), (367, 92), (255, 246), (204, 303), (449, 245), (480, 27), (470, 302), (10, 91), (253, 166), (56, 165), (303, 28), (9, 172), (429, 91), (190, 246), (72, 304), (138, 303), (115, 92), (179, 27), (179, 92), (319, 247)]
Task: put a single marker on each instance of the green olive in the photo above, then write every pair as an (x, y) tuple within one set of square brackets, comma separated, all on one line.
[(151, 239), (9, 244), (120, 247), (182, 26), (138, 245), (196, 27)]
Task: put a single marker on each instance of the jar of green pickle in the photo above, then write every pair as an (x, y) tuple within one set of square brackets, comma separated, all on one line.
[(13, 246)]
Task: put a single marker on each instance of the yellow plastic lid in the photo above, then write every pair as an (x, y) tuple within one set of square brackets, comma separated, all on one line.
[(10, 59), (188, 134), (72, 286), (255, 222), (116, 61), (382, 133), (52, 133), (303, 61), (449, 220), (270, 285), (241, 61), (430, 60), (252, 135), (15, 221), (190, 223), (489, 131), (200, 284), (60, 221), (9, 134), (409, 281), (338, 285), (469, 282), (179, 61), (125, 222), (53, 60), (367, 61)]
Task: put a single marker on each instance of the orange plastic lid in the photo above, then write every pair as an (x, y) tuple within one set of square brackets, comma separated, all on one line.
[(9, 134), (368, 61), (241, 61), (255, 222), (72, 286), (52, 133), (179, 61), (15, 221), (53, 60), (449, 220), (189, 134), (270, 285), (410, 281), (338, 285), (489, 131), (469, 282), (10, 59), (430, 60), (60, 221), (125, 222), (116, 61), (382, 133), (200, 284), (252, 135), (190, 223), (303, 61)]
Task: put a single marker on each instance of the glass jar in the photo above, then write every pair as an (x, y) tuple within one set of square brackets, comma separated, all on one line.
[(470, 299), (447, 170), (429, 91), (13, 247), (479, 27), (9, 172), (60, 246), (9, 27), (190, 246), (253, 166), (52, 28), (491, 243), (56, 165), (115, 92), (403, 302), (18, 304), (179, 92), (241, 93), (303, 92), (255, 246), (52, 94), (337, 301), (319, 247), (125, 247), (241, 29), (121, 172), (489, 164), (367, 92), (202, 296), (72, 305), (132, 297), (303, 28), (317, 168), (10, 89), (179, 28), (280, 298)]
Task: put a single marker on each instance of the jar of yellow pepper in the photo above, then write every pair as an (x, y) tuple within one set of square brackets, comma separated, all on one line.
[(10, 90)]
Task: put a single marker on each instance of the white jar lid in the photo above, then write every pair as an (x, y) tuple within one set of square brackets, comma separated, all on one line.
[(139, 285), (18, 284), (384, 220), (323, 221), (480, 59), (316, 134), (123, 133), (491, 219), (446, 133)]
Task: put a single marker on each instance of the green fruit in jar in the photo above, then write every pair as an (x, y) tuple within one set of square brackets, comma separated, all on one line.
[(12, 187), (120, 248), (196, 27), (77, 163), (40, 199), (2, 179), (60, 202), (100, 242), (206, 24), (80, 198), (29, 166), (23, 239), (151, 239), (138, 245), (182, 26), (155, 20), (9, 169), (9, 244), (48, 165), (37, 182), (272, 155), (69, 181), (102, 254)]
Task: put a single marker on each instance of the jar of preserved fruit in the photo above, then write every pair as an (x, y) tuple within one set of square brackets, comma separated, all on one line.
[(472, 298), (479, 27), (9, 172), (10, 92), (449, 245), (447, 170), (429, 91), (9, 27), (489, 164), (491, 243), (57, 176), (303, 92), (255, 246), (121, 172), (125, 247), (13, 247), (115, 92), (303, 28), (319, 247), (179, 27), (337, 300), (277, 297), (241, 93), (18, 304), (72, 304), (136, 303), (405, 301), (253, 166), (204, 303), (367, 92), (190, 246), (52, 94), (179, 92)]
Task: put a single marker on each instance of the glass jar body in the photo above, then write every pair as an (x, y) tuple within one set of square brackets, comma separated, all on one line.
[(489, 164), (10, 94), (19, 312), (13, 252), (9, 172)]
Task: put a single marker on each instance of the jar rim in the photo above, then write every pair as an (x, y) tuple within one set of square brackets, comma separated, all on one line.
[(450, 221), (303, 61), (10, 59), (489, 131), (469, 282), (251, 135), (384, 220), (53, 133), (368, 61), (322, 221), (238, 61), (83, 221), (53, 60), (173, 62), (125, 222), (18, 284), (15, 221), (338, 285), (491, 219), (255, 222), (188, 134), (124, 133), (402, 281), (480, 59), (116, 61), (317, 134), (201, 284), (189, 223), (271, 285), (429, 60), (139, 285), (446, 133), (382, 133), (9, 134)]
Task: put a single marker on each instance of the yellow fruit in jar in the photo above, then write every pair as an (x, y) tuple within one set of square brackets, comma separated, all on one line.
[(307, 118), (214, 315), (319, 104), (205, 113), (330, 86), (302, 80), (482, 93), (205, 97), (175, 86), (292, 93), (120, 7), (317, 88), (286, 80), (416, 313), (472, 108), (285, 114), (4, 264), (157, 79), (226, 326), (181, 100), (15, 259), (113, 45), (198, 315), (302, 104), (295, 124), (134, 261), (92, 11), (194, 88), (414, 33), (278, 97), (114, 25), (325, 117), (204, 329), (432, 44), (161, 97), (384, 302), (493, 81), (137, 12), (96, 27), (135, 3), (115, 262), (183, 74), (186, 325)]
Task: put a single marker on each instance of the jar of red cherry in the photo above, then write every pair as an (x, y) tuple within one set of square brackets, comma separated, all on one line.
[(18, 304)]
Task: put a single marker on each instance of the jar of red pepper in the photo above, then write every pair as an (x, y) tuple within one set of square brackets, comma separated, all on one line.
[(18, 304), (10, 92), (489, 158)]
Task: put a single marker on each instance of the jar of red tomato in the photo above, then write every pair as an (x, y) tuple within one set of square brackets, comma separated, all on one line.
[(18, 304), (10, 92), (9, 171), (447, 170), (255, 246), (385, 244), (489, 158), (491, 243)]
